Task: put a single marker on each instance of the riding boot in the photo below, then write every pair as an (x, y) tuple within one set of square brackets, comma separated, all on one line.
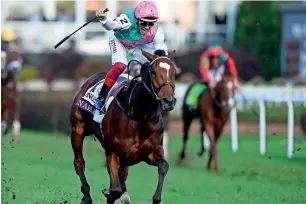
[(102, 96)]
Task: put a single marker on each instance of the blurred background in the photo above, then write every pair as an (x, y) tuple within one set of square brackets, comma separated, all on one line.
[(266, 39)]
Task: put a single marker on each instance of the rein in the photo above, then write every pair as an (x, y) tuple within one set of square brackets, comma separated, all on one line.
[(151, 89), (220, 105), (215, 101)]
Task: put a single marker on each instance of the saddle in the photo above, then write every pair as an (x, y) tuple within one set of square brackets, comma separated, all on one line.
[(88, 101)]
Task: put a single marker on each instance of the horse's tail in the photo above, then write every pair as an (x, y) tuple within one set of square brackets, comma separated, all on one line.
[(186, 94)]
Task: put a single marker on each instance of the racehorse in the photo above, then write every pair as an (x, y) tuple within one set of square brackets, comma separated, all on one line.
[(135, 71), (132, 126), (9, 98), (212, 107)]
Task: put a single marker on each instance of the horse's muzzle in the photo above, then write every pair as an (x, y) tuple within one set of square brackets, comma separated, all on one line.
[(168, 103)]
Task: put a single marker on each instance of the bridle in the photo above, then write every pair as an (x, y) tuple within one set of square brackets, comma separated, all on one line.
[(218, 103), (152, 90)]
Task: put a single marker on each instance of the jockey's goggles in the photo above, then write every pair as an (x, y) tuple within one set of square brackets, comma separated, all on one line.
[(145, 22), (214, 56)]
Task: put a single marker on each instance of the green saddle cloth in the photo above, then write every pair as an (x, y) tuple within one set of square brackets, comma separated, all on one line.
[(194, 94)]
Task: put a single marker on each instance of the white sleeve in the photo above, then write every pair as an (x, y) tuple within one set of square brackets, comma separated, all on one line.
[(15, 65), (120, 22), (159, 41)]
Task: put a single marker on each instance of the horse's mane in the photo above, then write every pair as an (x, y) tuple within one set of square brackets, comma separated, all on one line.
[(160, 53)]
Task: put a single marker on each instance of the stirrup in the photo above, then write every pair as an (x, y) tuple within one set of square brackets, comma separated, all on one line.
[(98, 114), (99, 104)]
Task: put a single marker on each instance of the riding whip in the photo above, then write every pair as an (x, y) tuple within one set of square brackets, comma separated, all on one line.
[(67, 37)]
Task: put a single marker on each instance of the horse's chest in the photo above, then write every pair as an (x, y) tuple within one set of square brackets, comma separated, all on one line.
[(142, 146)]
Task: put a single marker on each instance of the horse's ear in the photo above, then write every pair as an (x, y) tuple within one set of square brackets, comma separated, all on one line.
[(172, 55), (149, 56)]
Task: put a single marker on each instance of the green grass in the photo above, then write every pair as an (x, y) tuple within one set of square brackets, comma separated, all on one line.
[(39, 169)]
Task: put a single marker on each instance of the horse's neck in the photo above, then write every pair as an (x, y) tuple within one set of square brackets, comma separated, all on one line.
[(138, 103)]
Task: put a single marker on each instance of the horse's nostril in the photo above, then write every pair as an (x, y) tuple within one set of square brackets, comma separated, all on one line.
[(169, 99)]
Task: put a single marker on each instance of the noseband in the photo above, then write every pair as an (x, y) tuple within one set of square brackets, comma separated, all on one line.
[(152, 90), (217, 102)]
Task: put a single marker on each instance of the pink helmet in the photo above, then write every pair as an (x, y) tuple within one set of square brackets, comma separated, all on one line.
[(146, 9)]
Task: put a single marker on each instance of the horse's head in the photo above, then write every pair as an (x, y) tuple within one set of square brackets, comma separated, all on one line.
[(159, 78), (225, 92)]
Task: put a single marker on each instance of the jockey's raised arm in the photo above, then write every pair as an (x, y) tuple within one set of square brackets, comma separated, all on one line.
[(134, 30), (120, 22)]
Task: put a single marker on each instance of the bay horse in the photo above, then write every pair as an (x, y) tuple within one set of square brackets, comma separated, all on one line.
[(135, 71), (132, 128), (9, 98), (212, 110)]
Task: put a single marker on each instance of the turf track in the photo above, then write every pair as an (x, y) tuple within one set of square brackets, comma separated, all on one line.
[(39, 169)]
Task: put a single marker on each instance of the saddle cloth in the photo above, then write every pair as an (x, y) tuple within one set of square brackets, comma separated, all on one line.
[(88, 101), (194, 94)]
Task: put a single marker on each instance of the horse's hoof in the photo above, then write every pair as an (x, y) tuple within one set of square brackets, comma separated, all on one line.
[(106, 192), (156, 200), (86, 200), (4, 128), (16, 138), (216, 170), (115, 193), (200, 153), (125, 198)]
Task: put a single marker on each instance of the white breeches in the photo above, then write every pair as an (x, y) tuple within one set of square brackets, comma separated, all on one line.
[(216, 74)]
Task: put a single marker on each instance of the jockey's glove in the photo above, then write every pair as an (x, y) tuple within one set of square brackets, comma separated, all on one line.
[(100, 14)]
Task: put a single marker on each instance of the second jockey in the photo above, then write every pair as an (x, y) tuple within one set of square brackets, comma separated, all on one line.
[(135, 29), (213, 63), (9, 44)]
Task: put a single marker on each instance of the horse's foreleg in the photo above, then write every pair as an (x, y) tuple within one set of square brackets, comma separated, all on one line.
[(156, 158), (166, 136), (115, 190), (213, 148), (123, 173), (187, 118), (4, 119), (16, 122), (202, 148), (165, 144), (77, 139)]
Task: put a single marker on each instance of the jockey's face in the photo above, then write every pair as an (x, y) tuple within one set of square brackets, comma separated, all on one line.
[(215, 61), (144, 26)]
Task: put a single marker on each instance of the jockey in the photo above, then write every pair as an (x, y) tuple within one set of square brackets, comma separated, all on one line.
[(9, 44), (212, 64), (135, 29)]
